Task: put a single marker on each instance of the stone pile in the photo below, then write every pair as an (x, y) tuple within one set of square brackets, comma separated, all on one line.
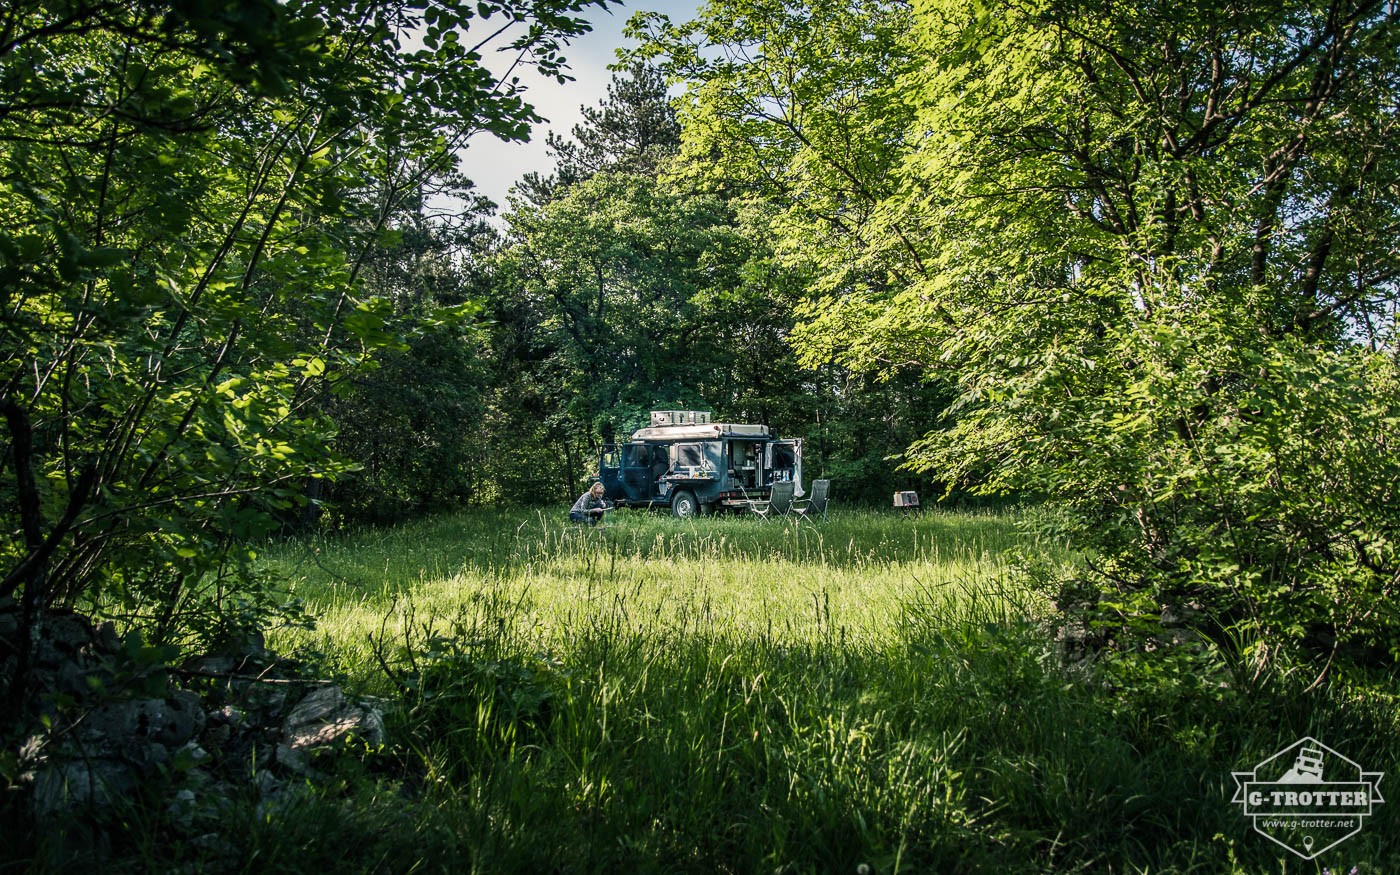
[(104, 722)]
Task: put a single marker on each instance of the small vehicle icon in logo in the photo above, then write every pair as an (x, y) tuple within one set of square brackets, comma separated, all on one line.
[(1307, 797)]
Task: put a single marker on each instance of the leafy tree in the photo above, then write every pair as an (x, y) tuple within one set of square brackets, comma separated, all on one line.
[(793, 103), (1155, 247), (613, 290), (190, 198), (412, 421), (790, 106), (619, 291)]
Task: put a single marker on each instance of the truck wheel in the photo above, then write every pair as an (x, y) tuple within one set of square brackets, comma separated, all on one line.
[(683, 504)]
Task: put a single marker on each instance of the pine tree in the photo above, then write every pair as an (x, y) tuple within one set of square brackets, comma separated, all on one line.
[(633, 130)]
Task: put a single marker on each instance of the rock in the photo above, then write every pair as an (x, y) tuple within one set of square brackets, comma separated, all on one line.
[(216, 665), (1075, 639), (218, 845), (268, 699), (323, 718), (182, 804), (229, 715), (47, 657), (69, 633), (218, 735), (268, 784), (73, 677), (62, 786), (252, 643), (116, 748), (198, 778), (106, 640), (170, 722), (192, 753), (98, 747), (187, 716)]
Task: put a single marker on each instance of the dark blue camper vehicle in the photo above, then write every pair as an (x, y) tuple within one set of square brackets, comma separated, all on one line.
[(695, 466)]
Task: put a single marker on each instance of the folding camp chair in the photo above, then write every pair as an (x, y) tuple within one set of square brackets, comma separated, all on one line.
[(821, 490), (779, 500)]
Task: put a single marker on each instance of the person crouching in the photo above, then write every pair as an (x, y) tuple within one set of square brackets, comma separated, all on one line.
[(590, 506)]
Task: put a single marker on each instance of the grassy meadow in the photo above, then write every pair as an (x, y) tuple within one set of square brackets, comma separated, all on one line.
[(867, 694), (741, 579)]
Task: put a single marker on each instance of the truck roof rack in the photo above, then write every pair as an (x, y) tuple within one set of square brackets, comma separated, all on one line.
[(679, 417), (710, 431)]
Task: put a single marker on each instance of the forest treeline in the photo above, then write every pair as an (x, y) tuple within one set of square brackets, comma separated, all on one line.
[(613, 286), (1139, 263)]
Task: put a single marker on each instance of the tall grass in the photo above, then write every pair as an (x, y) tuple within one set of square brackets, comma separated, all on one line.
[(722, 695), (782, 580)]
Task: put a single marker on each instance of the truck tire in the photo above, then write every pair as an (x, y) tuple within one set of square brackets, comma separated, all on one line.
[(683, 504)]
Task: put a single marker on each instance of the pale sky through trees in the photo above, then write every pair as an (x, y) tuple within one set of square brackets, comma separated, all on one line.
[(494, 165)]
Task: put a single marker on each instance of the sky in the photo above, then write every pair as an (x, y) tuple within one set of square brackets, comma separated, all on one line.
[(495, 166)]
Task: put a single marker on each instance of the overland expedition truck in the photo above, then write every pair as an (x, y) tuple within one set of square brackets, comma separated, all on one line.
[(695, 466)]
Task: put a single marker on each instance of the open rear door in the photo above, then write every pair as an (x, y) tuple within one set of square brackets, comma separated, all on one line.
[(785, 463), (610, 472), (637, 479)]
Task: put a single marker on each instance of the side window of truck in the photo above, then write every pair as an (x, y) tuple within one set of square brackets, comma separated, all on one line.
[(688, 455)]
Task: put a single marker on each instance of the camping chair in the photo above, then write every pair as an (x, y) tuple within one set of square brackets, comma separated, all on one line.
[(821, 489), (779, 500)]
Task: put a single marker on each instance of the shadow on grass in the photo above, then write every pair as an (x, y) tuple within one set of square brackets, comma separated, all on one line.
[(963, 746), (626, 743)]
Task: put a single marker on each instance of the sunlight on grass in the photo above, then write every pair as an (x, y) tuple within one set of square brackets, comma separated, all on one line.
[(733, 695), (847, 577)]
